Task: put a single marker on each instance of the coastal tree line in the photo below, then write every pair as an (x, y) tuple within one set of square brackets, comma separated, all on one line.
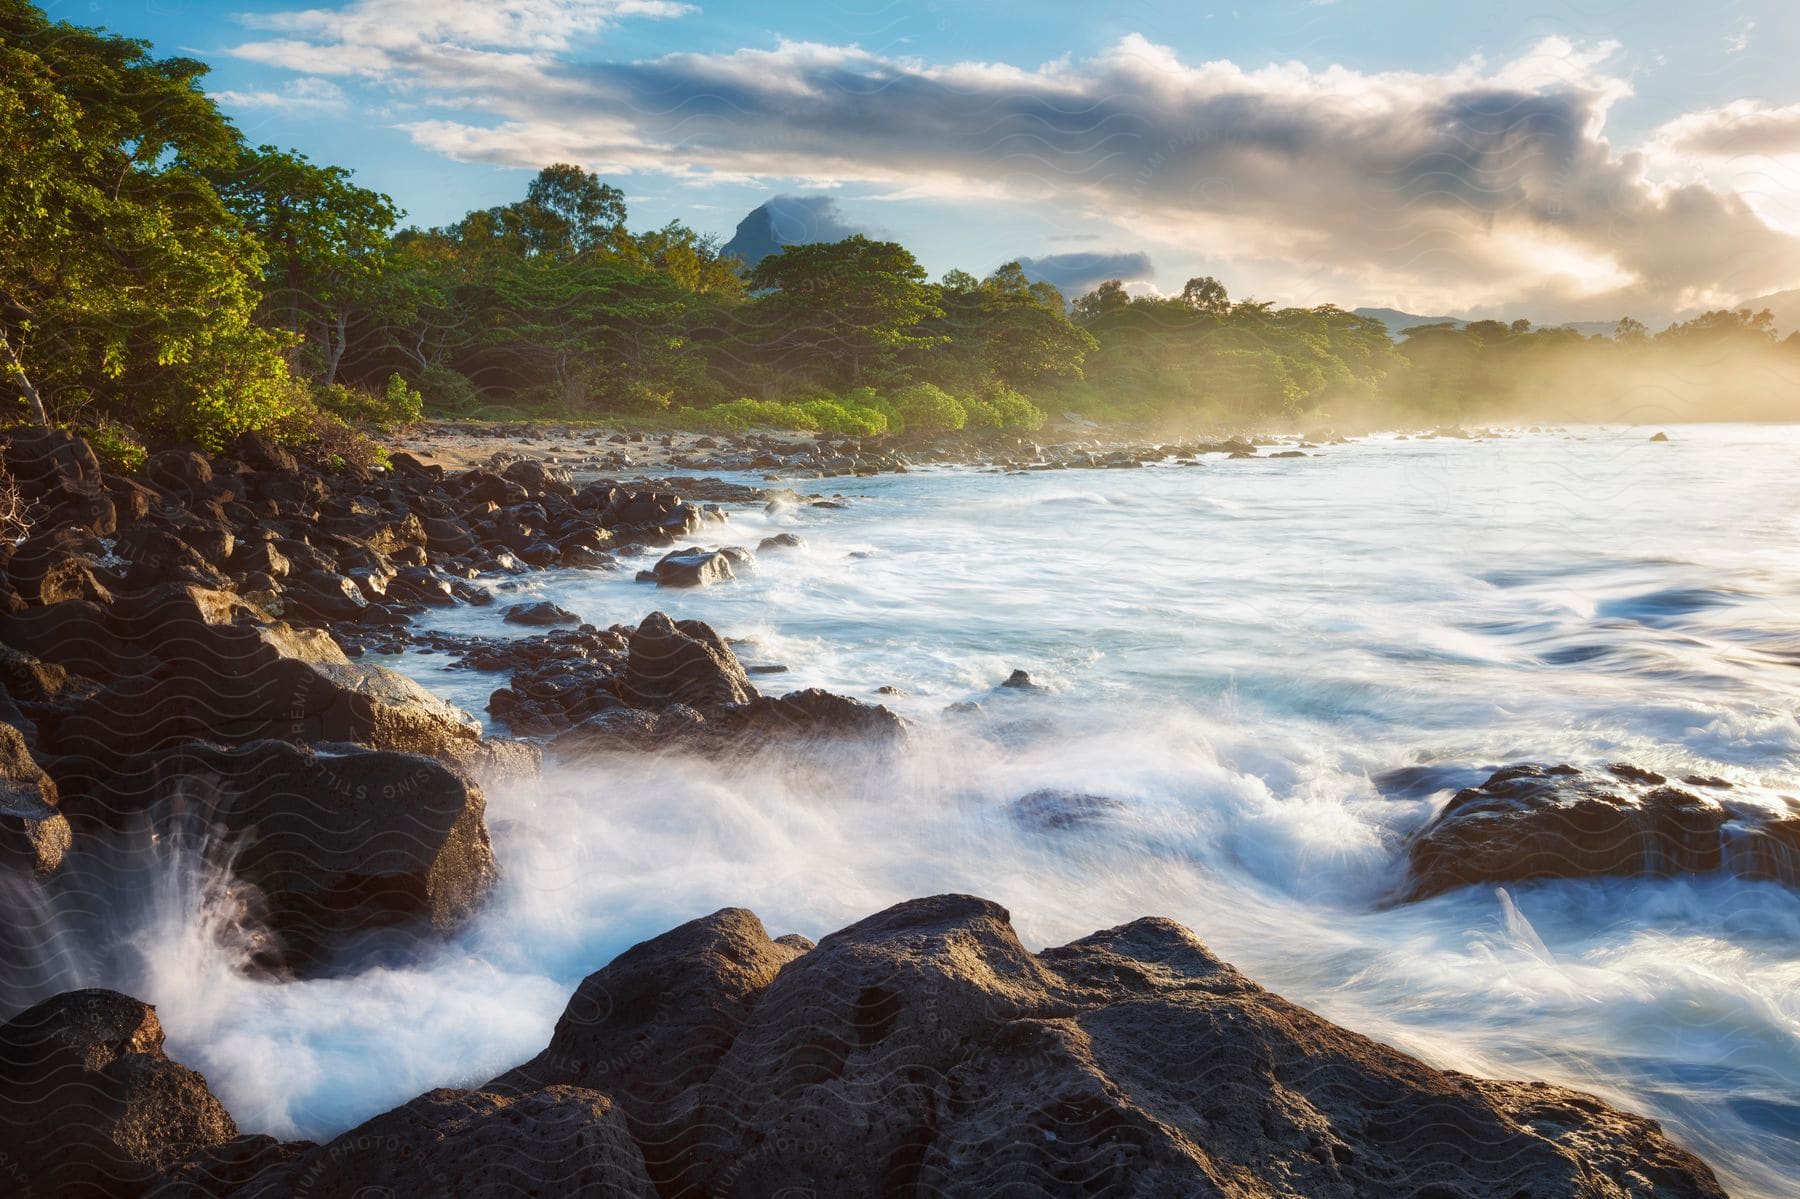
[(163, 279)]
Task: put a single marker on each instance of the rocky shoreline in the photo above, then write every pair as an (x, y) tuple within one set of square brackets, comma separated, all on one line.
[(922, 1051), (183, 649)]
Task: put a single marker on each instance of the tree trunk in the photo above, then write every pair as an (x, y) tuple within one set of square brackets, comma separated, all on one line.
[(16, 370), (337, 340)]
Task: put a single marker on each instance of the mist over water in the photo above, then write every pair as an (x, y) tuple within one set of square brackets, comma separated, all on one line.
[(1277, 669)]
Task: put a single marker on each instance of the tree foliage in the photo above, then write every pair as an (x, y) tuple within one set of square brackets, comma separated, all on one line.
[(126, 286), (162, 279)]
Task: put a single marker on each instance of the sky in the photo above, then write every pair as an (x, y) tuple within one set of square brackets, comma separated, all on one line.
[(1557, 159)]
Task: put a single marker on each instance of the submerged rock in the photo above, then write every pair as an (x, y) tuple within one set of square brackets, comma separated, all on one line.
[(1544, 822), (1021, 680), (816, 714), (540, 614), (698, 567), (1051, 808)]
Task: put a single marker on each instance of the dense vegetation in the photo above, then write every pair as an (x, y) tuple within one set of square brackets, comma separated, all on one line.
[(161, 279)]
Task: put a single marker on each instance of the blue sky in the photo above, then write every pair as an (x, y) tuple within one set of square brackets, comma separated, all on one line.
[(1569, 160)]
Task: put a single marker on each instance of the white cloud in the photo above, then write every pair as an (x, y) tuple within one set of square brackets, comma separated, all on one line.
[(398, 38), (306, 94), (1475, 185), (1743, 127)]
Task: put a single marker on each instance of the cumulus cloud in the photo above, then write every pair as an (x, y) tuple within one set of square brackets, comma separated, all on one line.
[(1733, 130), (427, 38), (1477, 185), (1077, 274)]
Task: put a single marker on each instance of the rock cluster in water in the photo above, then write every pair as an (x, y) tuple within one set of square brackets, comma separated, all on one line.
[(172, 659), (922, 1051), (173, 656), (1531, 822)]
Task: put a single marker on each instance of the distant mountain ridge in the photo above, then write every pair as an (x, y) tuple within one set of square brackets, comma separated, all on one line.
[(1399, 322)]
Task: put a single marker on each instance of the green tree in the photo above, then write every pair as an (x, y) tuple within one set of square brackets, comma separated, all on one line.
[(125, 284), (328, 243), (838, 310), (1205, 294), (1109, 298)]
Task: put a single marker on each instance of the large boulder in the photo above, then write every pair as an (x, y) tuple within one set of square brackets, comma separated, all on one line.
[(653, 1026), (926, 1051), (683, 662), (818, 715), (187, 473), (195, 664), (341, 846), (540, 614), (554, 1143), (1533, 821), (694, 567), (639, 730), (34, 834), (57, 564), (42, 460), (75, 634), (647, 516), (157, 555), (539, 477), (90, 1104)]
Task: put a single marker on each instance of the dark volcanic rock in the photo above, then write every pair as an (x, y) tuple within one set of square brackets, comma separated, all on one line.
[(194, 664), (34, 834), (41, 460), (89, 1104), (540, 614), (218, 1171), (1051, 808), (653, 1026), (57, 564), (637, 730), (926, 1051), (553, 1143), (694, 568), (337, 844), (817, 714), (1020, 680), (1540, 822), (683, 662)]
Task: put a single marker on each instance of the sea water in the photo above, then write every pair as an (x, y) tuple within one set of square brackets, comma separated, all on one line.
[(1276, 669)]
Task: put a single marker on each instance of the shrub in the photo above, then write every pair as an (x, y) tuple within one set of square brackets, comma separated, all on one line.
[(638, 398), (335, 443), (397, 406), (738, 416), (405, 406), (116, 445), (1004, 408), (448, 392), (927, 409), (834, 416)]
